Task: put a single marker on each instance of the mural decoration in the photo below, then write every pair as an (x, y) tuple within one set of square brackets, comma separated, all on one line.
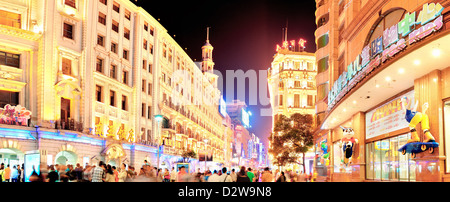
[(14, 115)]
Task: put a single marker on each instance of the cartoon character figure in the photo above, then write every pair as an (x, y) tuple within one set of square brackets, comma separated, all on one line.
[(414, 117), (325, 154), (348, 143)]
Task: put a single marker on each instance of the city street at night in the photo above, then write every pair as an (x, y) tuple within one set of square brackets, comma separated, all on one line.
[(259, 97)]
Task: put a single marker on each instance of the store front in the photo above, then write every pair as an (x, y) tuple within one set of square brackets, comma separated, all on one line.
[(394, 64)]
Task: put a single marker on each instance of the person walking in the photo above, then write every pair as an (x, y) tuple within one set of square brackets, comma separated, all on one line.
[(52, 175), (7, 173), (281, 178), (233, 175), (19, 170), (225, 177), (109, 174), (2, 172), (166, 175), (214, 177), (250, 174), (173, 175), (123, 173), (116, 174), (14, 174), (267, 175), (242, 176), (181, 177), (98, 173)]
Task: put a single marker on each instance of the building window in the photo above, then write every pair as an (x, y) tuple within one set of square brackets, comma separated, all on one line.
[(310, 100), (99, 66), (68, 31), (126, 33), (145, 26), (143, 110), (10, 19), (8, 97), (114, 47), (66, 66), (281, 100), (296, 100), (100, 40), (112, 71), (9, 59), (127, 14), (102, 18), (151, 49), (145, 44), (116, 7), (70, 3), (322, 65), (125, 77), (112, 98), (150, 68), (124, 103), (104, 1), (143, 85), (144, 64), (125, 54), (98, 93), (115, 26), (152, 30)]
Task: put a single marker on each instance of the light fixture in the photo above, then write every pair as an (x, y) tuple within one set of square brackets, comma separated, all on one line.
[(377, 85), (354, 101), (388, 79), (436, 52), (401, 71), (417, 62)]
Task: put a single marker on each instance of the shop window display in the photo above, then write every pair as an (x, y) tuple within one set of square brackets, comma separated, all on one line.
[(385, 163)]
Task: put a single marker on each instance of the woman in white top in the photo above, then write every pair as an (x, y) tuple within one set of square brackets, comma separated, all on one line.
[(123, 173)]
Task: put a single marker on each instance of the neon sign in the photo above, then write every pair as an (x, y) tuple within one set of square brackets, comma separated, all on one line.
[(392, 41), (17, 115)]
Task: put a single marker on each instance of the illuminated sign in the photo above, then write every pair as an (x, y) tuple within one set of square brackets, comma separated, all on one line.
[(387, 46), (222, 107), (245, 118)]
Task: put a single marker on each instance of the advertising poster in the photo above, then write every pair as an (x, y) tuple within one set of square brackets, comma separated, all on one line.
[(31, 163), (388, 117)]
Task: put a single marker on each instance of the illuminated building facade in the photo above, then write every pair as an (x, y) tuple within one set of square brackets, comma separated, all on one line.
[(81, 81), (370, 54), (291, 80)]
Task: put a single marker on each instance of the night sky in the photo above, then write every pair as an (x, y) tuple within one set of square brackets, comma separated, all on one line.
[(244, 34)]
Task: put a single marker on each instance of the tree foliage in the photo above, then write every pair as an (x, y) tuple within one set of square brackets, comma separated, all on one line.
[(291, 137)]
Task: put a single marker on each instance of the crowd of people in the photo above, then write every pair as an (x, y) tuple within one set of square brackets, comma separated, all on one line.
[(107, 173)]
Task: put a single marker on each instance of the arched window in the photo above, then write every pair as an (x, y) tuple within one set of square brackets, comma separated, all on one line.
[(385, 21)]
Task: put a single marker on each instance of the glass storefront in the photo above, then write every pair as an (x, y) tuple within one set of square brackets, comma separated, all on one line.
[(384, 161), (447, 133)]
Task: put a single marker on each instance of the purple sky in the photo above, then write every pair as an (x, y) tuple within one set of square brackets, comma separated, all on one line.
[(244, 34)]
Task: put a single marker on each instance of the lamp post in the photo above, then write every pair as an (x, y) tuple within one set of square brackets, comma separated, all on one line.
[(206, 142), (158, 119)]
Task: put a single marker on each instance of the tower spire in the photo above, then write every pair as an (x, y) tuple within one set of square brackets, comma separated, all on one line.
[(207, 34)]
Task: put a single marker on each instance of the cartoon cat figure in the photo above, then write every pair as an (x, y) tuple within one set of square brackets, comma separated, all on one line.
[(348, 143)]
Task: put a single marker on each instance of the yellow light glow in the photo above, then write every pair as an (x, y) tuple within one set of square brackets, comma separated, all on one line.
[(436, 52), (417, 62), (401, 71)]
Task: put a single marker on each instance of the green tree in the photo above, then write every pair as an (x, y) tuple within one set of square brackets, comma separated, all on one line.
[(291, 137), (188, 154)]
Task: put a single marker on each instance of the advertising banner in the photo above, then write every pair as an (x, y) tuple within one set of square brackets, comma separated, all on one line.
[(387, 118)]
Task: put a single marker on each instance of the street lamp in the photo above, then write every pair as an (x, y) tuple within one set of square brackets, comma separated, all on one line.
[(206, 142), (158, 119)]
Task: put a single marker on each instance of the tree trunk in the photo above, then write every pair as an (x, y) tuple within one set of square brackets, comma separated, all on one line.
[(304, 158)]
